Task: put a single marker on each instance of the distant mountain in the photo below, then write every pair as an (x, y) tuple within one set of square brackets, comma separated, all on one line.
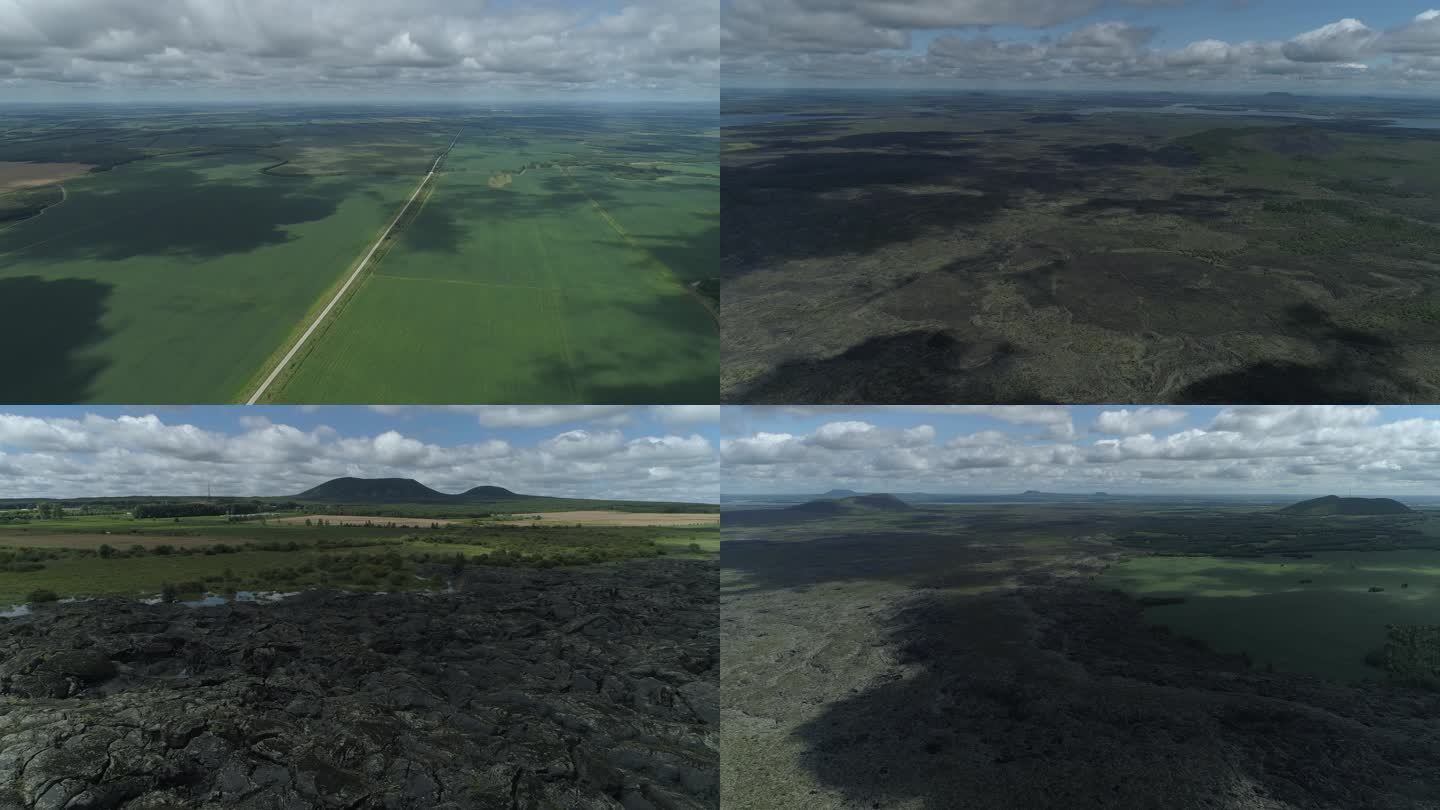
[(851, 504), (880, 502), (1333, 505), (406, 492), (373, 490), (839, 493), (486, 493)]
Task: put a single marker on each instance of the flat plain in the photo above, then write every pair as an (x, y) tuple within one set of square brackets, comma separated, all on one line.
[(1118, 653), (175, 254), (1079, 248), (114, 555)]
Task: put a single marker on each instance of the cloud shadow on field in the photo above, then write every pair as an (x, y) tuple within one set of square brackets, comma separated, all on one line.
[(918, 367), (811, 204), (674, 324), (46, 326), (175, 211), (692, 257), (1360, 368)]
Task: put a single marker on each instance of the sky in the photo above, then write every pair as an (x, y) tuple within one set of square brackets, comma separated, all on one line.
[(358, 49), (1218, 45), (663, 453), (1310, 450)]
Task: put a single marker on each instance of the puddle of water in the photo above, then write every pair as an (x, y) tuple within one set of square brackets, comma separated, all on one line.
[(15, 612), (214, 599)]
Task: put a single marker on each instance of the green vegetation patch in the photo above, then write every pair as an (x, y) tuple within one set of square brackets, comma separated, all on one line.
[(1411, 655), (83, 561), (1320, 614)]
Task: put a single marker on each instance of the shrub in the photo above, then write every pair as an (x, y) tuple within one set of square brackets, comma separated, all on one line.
[(164, 550), (43, 595), (168, 592), (106, 550)]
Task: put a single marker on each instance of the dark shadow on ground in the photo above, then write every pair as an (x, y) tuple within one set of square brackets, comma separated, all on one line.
[(766, 225), (808, 204), (1124, 154), (1054, 698), (46, 326), (1190, 206), (923, 556), (177, 211), (919, 367), (591, 367), (1360, 368), (692, 257), (435, 229)]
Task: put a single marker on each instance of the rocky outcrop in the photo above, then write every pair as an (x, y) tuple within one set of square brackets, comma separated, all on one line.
[(582, 688)]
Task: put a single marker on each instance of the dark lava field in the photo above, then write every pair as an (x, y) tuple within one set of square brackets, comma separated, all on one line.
[(594, 688)]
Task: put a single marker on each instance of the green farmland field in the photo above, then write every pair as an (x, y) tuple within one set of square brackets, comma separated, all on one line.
[(171, 280), (561, 254), (525, 278)]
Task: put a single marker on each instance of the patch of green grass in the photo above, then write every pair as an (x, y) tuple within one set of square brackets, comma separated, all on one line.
[(1325, 626), (1312, 229), (691, 546), (134, 576)]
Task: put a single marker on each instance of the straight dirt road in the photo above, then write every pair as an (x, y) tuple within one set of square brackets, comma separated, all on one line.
[(360, 268)]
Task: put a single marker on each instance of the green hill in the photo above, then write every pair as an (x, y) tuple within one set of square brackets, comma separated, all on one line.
[(405, 496), (1333, 505), (487, 493), (373, 490), (816, 510), (852, 504)]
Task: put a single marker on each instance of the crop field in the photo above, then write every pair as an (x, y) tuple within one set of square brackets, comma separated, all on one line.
[(198, 241), (165, 255), (1079, 248), (540, 267)]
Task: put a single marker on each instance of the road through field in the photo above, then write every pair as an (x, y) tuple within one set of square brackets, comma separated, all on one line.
[(365, 262)]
